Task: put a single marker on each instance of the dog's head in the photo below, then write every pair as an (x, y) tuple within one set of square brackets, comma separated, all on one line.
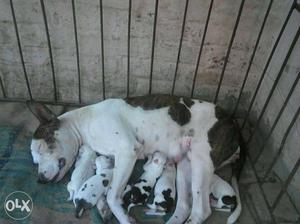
[(155, 162), (53, 147), (104, 162)]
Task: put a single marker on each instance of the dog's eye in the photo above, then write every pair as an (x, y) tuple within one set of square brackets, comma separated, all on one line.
[(61, 163)]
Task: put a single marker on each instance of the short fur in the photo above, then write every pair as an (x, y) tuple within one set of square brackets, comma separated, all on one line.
[(140, 191), (95, 187), (115, 126), (84, 169), (165, 190)]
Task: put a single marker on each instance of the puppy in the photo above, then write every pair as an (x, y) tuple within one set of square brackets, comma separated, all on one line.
[(223, 195), (164, 192), (224, 198), (84, 169), (96, 186), (140, 191)]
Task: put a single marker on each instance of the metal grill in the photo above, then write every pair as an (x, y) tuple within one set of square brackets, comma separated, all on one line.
[(295, 8)]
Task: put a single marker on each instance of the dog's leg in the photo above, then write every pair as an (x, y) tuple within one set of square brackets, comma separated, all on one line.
[(124, 163), (103, 209), (182, 210), (202, 172)]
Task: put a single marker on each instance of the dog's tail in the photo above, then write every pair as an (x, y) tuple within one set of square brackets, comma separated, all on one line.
[(237, 167), (237, 211)]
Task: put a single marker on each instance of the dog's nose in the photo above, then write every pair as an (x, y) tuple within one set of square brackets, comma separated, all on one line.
[(42, 179)]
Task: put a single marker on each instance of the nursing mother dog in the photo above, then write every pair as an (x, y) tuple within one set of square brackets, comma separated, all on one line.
[(133, 128)]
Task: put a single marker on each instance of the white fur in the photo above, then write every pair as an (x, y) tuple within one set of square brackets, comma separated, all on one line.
[(84, 169), (110, 128), (236, 213), (164, 183), (153, 168), (220, 188), (93, 188)]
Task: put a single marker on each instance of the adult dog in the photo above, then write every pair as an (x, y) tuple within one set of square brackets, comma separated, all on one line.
[(133, 128)]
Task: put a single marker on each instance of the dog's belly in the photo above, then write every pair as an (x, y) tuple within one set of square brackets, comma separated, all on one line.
[(155, 130)]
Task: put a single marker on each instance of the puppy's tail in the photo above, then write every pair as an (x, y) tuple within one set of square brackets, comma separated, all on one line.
[(237, 211)]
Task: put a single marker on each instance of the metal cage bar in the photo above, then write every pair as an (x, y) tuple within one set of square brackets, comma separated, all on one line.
[(201, 47), (20, 48), (278, 117), (2, 88), (286, 185), (261, 189), (267, 64), (180, 44), (77, 50), (49, 49), (229, 50), (153, 46), (283, 141), (128, 46), (252, 56), (48, 102), (295, 7), (275, 84), (102, 49)]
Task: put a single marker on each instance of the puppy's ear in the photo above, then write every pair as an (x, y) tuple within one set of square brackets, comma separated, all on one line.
[(41, 112)]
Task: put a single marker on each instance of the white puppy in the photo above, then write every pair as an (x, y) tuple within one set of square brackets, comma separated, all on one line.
[(96, 186), (164, 192), (224, 198), (84, 169), (140, 191)]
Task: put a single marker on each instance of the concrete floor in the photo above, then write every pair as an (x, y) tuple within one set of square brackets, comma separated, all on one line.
[(254, 200)]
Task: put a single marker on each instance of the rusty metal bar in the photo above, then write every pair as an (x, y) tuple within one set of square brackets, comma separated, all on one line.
[(180, 44), (229, 49)]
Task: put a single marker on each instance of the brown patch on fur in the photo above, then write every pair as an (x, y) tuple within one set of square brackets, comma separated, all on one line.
[(155, 101), (223, 138), (188, 102), (180, 113), (46, 131)]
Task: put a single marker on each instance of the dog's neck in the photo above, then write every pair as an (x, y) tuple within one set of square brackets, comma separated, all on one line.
[(72, 129)]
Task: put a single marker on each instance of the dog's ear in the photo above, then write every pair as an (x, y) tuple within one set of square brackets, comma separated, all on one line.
[(41, 112)]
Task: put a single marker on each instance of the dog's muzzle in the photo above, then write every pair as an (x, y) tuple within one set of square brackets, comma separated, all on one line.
[(43, 180)]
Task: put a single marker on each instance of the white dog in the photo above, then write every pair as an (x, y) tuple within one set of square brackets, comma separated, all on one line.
[(114, 127), (84, 169), (164, 192), (96, 186), (140, 191)]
